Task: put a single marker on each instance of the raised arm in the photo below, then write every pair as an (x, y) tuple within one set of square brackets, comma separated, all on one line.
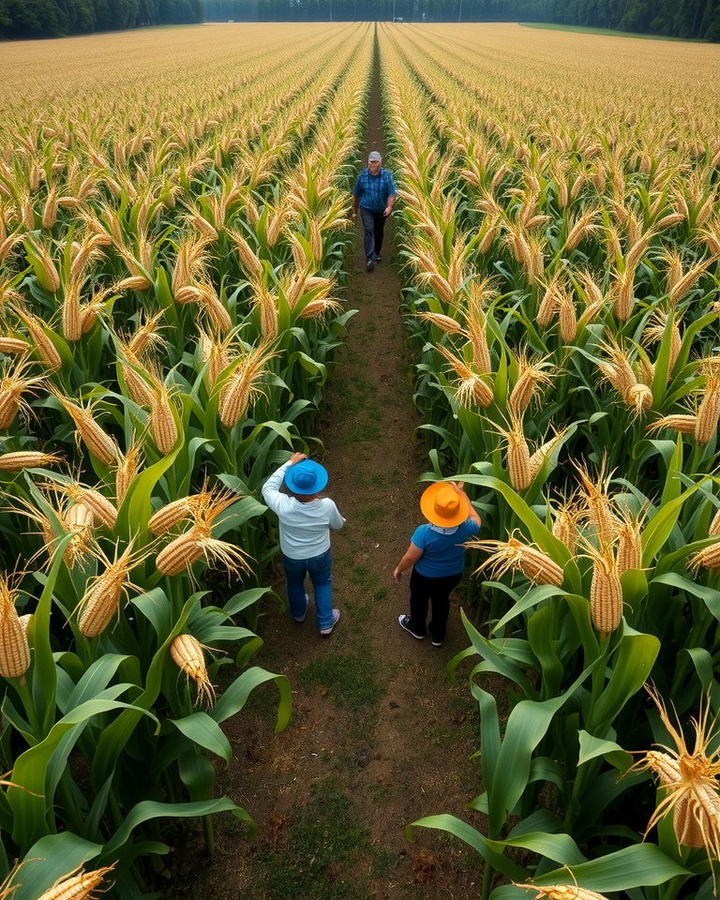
[(460, 487), (412, 555), (271, 493)]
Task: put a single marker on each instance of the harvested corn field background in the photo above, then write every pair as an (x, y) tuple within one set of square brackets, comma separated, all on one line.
[(182, 304)]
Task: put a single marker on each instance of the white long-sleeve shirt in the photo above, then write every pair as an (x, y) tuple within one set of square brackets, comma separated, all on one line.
[(304, 527)]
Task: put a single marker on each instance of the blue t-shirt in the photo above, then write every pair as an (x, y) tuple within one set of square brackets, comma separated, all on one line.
[(443, 553), (373, 191)]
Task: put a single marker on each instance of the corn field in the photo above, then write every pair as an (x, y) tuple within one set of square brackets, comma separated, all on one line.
[(174, 227), (561, 237), (173, 222)]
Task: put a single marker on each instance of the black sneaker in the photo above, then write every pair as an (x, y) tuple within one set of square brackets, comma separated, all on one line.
[(404, 623), (377, 257), (370, 265), (437, 643)]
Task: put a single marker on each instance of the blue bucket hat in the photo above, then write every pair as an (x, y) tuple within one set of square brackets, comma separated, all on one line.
[(306, 477)]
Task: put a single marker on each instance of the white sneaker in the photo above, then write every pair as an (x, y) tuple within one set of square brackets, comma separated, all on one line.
[(336, 618), (304, 615)]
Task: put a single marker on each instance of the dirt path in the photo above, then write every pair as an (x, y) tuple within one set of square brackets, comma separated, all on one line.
[(378, 737)]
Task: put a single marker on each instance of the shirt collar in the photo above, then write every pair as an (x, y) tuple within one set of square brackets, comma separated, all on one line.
[(441, 529)]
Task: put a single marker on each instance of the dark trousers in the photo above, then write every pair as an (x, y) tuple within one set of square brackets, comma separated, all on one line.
[(436, 591), (374, 228)]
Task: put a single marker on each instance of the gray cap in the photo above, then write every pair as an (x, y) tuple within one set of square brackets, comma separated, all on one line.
[(374, 157)]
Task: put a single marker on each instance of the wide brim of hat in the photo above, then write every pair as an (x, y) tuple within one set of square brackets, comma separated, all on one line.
[(427, 505), (321, 478)]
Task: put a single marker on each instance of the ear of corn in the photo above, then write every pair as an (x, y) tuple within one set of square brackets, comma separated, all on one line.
[(535, 565), (80, 886), (14, 649), (97, 441), (26, 459), (187, 654), (606, 597), (561, 892)]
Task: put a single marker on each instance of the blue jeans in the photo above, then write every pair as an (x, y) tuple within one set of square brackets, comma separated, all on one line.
[(320, 570), (373, 230)]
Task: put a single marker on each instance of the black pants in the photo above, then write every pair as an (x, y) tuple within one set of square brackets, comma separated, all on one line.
[(374, 227), (437, 592)]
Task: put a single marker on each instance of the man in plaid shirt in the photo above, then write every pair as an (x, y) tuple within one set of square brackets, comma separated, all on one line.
[(374, 195)]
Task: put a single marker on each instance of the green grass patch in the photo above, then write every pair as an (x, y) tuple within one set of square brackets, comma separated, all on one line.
[(379, 479), (360, 573), (441, 735), (365, 431), (359, 607), (316, 856), (351, 679), (371, 514), (587, 29)]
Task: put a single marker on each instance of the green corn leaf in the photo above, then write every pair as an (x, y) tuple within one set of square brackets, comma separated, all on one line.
[(532, 597), (43, 674), (472, 837), (204, 731), (559, 848), (147, 810), (709, 596), (136, 508), (631, 667), (30, 801), (526, 727), (490, 741), (235, 696), (239, 602), (592, 747), (238, 514), (640, 865), (116, 735), (497, 661), (658, 529), (197, 773), (703, 662), (96, 679)]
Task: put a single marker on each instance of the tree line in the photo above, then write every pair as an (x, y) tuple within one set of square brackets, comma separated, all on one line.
[(671, 18), (53, 18)]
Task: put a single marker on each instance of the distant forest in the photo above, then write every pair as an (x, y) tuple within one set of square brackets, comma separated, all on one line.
[(672, 18), (52, 18)]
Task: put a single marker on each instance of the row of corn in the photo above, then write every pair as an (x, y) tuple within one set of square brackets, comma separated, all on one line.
[(561, 237), (169, 256)]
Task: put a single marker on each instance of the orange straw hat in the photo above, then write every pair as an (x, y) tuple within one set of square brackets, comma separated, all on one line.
[(442, 504)]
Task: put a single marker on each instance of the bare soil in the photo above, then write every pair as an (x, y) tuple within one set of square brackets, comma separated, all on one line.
[(378, 737)]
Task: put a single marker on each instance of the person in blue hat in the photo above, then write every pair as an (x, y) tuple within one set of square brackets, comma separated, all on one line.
[(305, 522)]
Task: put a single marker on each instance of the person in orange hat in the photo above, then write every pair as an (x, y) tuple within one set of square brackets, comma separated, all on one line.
[(437, 557)]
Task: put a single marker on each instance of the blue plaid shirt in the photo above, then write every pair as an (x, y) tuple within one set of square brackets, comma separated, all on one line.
[(373, 191)]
